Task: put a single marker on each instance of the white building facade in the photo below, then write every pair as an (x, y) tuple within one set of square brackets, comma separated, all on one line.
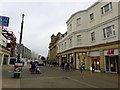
[(92, 37), (4, 53)]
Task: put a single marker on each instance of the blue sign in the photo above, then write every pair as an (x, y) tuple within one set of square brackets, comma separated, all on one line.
[(4, 21)]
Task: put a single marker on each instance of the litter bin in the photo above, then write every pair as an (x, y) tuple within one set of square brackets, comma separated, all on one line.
[(17, 70)]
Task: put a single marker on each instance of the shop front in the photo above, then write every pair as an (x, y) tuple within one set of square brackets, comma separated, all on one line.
[(64, 58), (95, 59), (81, 59), (111, 60)]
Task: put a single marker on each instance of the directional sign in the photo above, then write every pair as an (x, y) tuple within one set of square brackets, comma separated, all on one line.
[(4, 21)]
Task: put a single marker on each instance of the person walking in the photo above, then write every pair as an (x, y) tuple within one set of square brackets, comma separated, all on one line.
[(81, 68), (93, 67)]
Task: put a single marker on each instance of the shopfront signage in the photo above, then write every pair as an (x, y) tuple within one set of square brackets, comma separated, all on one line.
[(110, 51)]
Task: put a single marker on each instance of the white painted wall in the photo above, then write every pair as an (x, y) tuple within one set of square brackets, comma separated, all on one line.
[(87, 26)]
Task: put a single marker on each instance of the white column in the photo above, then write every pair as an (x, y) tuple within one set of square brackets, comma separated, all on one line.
[(8, 59), (2, 59)]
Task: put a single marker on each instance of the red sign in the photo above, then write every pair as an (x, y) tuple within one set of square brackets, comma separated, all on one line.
[(110, 51)]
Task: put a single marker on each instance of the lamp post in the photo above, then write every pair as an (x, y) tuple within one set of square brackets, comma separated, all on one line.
[(20, 41)]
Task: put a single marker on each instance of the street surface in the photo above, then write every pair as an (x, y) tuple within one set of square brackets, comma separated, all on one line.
[(54, 77)]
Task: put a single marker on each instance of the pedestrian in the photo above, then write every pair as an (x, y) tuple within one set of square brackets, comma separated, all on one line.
[(65, 65), (81, 68), (93, 67), (33, 67)]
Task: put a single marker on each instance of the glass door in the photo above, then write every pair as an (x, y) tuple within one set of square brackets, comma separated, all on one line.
[(107, 63), (113, 63)]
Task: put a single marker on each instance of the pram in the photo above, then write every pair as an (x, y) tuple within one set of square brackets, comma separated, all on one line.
[(35, 70)]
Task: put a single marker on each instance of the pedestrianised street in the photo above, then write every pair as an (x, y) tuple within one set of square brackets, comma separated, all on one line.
[(55, 77)]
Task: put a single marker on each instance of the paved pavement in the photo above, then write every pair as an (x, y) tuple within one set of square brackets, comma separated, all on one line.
[(54, 77)]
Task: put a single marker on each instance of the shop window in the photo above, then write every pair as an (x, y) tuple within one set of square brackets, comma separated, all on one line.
[(111, 63)]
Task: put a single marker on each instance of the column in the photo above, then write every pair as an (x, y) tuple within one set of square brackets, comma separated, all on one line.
[(8, 59), (102, 60), (74, 60), (2, 59)]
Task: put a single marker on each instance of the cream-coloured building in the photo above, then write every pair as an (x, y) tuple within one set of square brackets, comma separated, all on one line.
[(52, 54), (4, 52), (92, 37)]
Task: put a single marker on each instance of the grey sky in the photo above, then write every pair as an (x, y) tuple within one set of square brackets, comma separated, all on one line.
[(42, 19)]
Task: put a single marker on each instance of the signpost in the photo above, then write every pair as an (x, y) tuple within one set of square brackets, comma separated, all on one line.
[(4, 21), (18, 65)]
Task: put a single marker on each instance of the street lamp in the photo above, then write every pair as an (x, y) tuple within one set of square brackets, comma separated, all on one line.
[(20, 41)]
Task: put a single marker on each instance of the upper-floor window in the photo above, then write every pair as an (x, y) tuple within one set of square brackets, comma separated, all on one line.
[(109, 31), (78, 39), (3, 42), (70, 40), (65, 45), (93, 36), (91, 16), (78, 21), (62, 46), (59, 48), (70, 27), (106, 8)]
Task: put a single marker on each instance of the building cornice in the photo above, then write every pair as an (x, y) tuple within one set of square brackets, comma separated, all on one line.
[(81, 11), (88, 48)]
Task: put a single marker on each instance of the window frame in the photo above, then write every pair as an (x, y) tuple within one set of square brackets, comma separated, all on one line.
[(92, 36), (109, 31), (91, 16), (79, 40), (78, 21), (106, 8)]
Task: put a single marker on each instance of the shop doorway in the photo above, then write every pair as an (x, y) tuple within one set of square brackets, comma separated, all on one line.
[(5, 60), (111, 63), (96, 62)]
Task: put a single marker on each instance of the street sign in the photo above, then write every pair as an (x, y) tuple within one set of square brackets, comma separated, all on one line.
[(4, 21)]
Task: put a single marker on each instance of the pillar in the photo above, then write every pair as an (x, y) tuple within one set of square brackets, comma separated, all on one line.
[(2, 59), (102, 60)]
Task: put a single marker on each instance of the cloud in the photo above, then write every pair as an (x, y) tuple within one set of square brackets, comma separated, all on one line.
[(42, 19)]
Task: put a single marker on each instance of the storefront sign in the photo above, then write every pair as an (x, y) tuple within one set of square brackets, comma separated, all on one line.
[(95, 53), (110, 51)]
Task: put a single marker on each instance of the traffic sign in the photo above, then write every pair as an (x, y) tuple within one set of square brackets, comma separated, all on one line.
[(4, 21)]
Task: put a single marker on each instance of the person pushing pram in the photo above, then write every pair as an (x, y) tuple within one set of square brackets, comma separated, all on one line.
[(35, 68)]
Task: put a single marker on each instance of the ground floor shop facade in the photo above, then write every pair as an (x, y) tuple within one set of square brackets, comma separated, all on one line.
[(105, 57), (4, 57)]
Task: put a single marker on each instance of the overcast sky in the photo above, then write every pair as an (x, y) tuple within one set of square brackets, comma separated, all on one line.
[(42, 19)]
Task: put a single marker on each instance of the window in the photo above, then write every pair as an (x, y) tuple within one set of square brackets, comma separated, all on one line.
[(59, 48), (91, 16), (70, 40), (109, 31), (62, 46), (93, 36), (78, 39), (70, 27), (78, 21), (106, 8), (65, 45)]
